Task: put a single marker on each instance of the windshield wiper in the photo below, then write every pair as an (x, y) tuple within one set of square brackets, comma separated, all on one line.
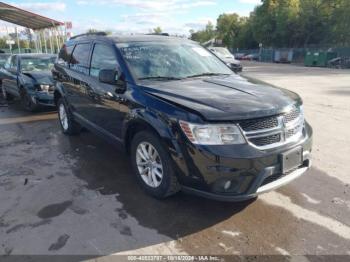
[(207, 74), (160, 78)]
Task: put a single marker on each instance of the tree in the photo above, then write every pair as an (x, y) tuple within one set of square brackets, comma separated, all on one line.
[(340, 23), (205, 34), (284, 23), (228, 27), (157, 30), (274, 22)]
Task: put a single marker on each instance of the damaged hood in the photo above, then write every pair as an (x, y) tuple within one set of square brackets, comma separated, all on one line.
[(40, 77), (224, 97)]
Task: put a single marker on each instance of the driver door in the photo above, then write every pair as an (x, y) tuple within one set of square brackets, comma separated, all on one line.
[(104, 104)]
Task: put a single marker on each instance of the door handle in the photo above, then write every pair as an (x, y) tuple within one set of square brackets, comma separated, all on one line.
[(117, 98), (109, 95)]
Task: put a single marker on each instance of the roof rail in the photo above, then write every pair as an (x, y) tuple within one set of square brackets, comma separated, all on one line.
[(89, 34)]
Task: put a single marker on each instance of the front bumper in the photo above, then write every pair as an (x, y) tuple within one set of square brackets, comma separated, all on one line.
[(45, 99), (204, 170), (258, 188), (236, 68)]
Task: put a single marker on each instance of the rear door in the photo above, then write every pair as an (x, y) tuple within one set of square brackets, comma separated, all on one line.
[(76, 82)]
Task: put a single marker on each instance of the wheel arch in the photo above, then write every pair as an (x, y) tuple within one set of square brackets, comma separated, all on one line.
[(146, 121), (58, 93)]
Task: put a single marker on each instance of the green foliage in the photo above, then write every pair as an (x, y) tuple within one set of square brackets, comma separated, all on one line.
[(284, 23), (204, 35), (23, 43), (157, 30)]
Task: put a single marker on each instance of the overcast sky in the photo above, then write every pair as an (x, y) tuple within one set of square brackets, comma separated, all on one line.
[(137, 16)]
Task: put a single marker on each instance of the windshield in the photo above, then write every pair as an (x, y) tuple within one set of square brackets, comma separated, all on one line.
[(170, 61), (3, 59), (37, 63), (222, 52)]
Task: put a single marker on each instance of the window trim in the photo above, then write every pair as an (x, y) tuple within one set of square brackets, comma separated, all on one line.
[(70, 56), (92, 53), (88, 59)]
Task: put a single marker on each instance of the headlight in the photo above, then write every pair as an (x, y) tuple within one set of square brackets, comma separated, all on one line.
[(44, 88), (212, 134)]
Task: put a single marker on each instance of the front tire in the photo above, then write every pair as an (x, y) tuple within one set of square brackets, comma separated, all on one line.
[(153, 166), (26, 101), (5, 95), (68, 125)]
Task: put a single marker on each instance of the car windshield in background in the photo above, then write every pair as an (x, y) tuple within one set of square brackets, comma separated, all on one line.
[(3, 59), (170, 61), (29, 64), (222, 52)]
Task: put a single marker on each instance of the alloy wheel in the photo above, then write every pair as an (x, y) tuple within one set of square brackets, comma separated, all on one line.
[(149, 164), (63, 116)]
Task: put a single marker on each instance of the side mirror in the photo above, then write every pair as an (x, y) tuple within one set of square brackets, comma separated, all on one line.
[(113, 77), (108, 76)]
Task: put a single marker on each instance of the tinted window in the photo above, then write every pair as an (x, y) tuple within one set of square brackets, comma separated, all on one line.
[(65, 55), (3, 59), (103, 57), (80, 58)]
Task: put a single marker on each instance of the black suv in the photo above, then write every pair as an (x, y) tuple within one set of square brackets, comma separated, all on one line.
[(186, 120)]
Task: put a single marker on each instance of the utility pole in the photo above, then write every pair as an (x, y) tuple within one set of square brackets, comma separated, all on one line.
[(8, 34), (18, 42), (50, 38)]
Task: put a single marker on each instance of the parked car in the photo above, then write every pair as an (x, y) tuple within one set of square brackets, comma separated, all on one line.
[(251, 57), (239, 56), (339, 63), (185, 119), (3, 58), (225, 55), (28, 77)]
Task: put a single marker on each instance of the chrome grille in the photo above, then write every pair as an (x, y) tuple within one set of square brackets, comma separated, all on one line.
[(293, 131), (263, 123), (269, 132), (292, 115), (266, 140)]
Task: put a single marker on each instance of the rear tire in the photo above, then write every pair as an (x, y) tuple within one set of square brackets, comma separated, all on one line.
[(151, 158), (26, 101), (68, 125)]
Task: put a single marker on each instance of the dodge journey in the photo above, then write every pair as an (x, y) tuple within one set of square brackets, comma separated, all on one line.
[(184, 118)]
